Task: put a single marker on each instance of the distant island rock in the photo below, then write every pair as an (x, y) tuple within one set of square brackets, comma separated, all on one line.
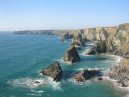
[(35, 32)]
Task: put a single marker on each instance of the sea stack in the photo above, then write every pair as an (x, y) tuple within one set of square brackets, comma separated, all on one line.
[(84, 75), (54, 71), (72, 55)]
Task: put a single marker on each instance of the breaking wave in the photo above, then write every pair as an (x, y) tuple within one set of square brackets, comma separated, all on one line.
[(35, 83)]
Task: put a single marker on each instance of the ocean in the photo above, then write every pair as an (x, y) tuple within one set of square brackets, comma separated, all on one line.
[(22, 57)]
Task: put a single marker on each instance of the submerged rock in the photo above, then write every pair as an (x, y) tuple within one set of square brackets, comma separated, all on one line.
[(54, 71), (84, 75), (72, 55)]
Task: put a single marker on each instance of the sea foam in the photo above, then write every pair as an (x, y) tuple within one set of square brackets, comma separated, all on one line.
[(35, 83)]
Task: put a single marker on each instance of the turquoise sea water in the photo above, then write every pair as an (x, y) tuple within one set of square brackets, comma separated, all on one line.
[(23, 56)]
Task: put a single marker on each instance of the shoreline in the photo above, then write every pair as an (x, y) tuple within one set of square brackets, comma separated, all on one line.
[(105, 77), (114, 82)]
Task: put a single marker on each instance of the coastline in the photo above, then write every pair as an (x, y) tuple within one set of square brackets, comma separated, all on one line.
[(105, 77)]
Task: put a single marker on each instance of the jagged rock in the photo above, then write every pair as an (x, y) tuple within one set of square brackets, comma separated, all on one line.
[(84, 75), (91, 52), (121, 73), (54, 71), (78, 40), (100, 78), (101, 47), (72, 55), (123, 84), (36, 82)]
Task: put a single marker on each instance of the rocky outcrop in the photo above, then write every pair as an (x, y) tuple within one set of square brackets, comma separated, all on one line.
[(92, 51), (84, 75), (121, 73), (54, 71), (72, 55), (78, 40), (99, 47)]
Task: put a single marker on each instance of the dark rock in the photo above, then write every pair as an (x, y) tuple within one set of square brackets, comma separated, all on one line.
[(84, 75), (72, 55), (100, 78), (91, 52), (54, 71), (101, 47), (36, 82), (123, 84)]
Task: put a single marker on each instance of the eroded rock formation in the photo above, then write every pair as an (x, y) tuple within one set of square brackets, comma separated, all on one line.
[(84, 75), (72, 55), (78, 40), (54, 71), (121, 73)]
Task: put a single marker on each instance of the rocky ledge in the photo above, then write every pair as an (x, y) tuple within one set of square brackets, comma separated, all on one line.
[(84, 75), (78, 40), (121, 73), (54, 71), (72, 55)]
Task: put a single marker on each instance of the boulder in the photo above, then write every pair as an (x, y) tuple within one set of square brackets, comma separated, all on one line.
[(100, 78), (54, 71), (92, 51), (84, 75), (72, 55)]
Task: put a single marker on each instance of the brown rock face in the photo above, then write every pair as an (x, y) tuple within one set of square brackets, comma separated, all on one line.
[(72, 55), (101, 47), (92, 51), (121, 73), (78, 41), (54, 71), (84, 75)]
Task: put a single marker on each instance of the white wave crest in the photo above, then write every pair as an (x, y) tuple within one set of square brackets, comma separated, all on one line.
[(35, 83), (27, 82), (86, 83)]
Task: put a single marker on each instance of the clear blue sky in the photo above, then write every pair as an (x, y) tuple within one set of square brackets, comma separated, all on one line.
[(61, 14)]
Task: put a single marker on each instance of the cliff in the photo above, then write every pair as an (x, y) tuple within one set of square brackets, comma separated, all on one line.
[(111, 40)]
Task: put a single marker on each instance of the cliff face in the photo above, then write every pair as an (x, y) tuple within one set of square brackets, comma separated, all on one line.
[(78, 40), (121, 73), (113, 40)]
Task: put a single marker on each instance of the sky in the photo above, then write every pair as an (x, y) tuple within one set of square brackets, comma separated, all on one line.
[(61, 14)]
